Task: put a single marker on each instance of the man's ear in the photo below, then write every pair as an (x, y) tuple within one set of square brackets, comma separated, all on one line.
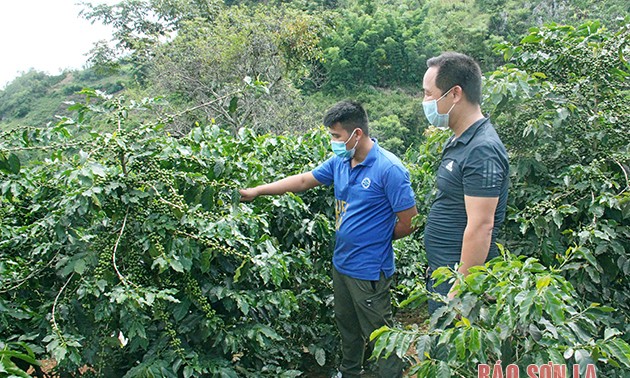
[(458, 94)]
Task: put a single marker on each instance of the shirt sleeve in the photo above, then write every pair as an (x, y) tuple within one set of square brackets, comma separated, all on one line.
[(485, 172), (325, 172), (398, 189)]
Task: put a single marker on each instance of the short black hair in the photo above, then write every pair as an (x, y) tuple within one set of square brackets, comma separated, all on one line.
[(349, 114), (458, 69)]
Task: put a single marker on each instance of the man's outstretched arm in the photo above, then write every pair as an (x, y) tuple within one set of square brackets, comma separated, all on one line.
[(294, 184)]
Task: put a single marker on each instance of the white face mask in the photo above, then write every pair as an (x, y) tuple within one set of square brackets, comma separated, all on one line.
[(431, 112)]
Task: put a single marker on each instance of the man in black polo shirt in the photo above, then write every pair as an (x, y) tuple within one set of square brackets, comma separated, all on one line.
[(473, 176)]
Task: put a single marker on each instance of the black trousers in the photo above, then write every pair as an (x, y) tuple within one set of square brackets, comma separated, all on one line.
[(360, 308)]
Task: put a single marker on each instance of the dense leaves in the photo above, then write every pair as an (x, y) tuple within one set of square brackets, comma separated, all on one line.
[(128, 251), (15, 358), (513, 310), (563, 112)]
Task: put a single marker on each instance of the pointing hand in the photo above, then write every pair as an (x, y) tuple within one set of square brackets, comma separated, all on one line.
[(248, 195)]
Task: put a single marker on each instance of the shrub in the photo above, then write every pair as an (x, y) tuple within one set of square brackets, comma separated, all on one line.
[(128, 250), (513, 310)]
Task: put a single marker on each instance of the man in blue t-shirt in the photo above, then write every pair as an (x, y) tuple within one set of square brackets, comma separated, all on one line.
[(473, 176), (374, 204)]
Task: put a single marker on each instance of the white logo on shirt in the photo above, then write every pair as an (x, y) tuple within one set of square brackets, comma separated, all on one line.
[(366, 183), (449, 166)]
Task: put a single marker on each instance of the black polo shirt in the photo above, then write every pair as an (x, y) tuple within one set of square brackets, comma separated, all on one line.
[(475, 164)]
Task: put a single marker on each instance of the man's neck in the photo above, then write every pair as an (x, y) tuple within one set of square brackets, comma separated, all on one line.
[(467, 118), (362, 151)]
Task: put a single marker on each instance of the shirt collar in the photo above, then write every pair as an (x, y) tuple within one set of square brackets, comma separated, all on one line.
[(467, 134), (371, 156)]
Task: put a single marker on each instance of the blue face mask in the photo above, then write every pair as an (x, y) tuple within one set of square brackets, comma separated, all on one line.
[(339, 148), (431, 112)]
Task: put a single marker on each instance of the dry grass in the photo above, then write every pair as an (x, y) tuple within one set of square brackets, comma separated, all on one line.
[(48, 369)]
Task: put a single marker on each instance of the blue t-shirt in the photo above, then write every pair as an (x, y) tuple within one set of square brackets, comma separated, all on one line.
[(367, 198), (476, 165)]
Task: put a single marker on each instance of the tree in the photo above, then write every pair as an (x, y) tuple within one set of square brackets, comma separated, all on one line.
[(141, 25), (509, 314), (206, 63)]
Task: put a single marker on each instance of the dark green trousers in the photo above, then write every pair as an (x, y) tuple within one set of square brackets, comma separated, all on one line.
[(360, 308)]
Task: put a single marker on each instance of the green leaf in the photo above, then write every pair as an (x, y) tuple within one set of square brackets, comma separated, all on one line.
[(535, 332), (21, 356), (181, 310), (474, 340), (320, 356), (4, 163), (233, 105), (235, 199), (270, 333), (444, 371), (417, 297), (219, 167), (98, 169), (460, 344), (532, 38), (554, 307), (555, 356), (619, 350), (14, 164), (583, 358), (176, 265), (611, 332), (237, 273), (423, 347), (377, 332), (543, 282), (188, 371), (58, 352), (404, 343), (80, 266), (526, 304), (206, 259), (242, 304)]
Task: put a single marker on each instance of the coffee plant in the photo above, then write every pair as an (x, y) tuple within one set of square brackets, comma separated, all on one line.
[(513, 310), (127, 251), (563, 113)]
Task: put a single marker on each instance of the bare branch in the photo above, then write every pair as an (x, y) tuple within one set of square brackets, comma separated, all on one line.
[(31, 275), (50, 147), (625, 173), (54, 309), (122, 229), (167, 201)]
